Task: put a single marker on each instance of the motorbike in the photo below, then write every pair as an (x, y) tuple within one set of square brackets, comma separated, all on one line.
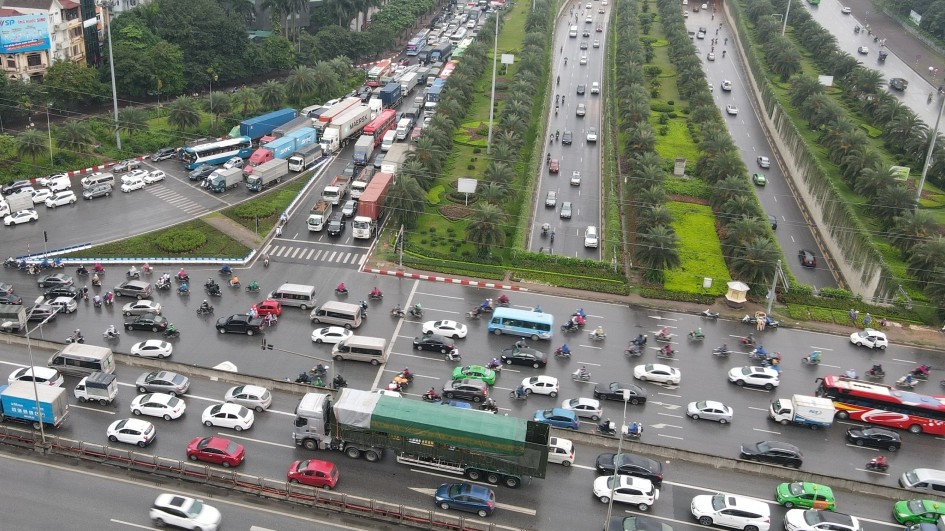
[(162, 286), (74, 338), (111, 333), (633, 350), (171, 333), (182, 279), (664, 338), (341, 292), (133, 273), (82, 272), (905, 383), (183, 289), (495, 365), (581, 376), (769, 322), (489, 407), (304, 378), (431, 397), (877, 374), (339, 382), (709, 314), (503, 301), (515, 396), (473, 314), (416, 312), (205, 311), (662, 353), (560, 353), (594, 336), (877, 466), (213, 290), (252, 289), (696, 336), (719, 351), (639, 341), (364, 307), (748, 342), (97, 301), (921, 372), (225, 271), (11, 262), (453, 355), (634, 430), (570, 327), (397, 312), (376, 296), (607, 428), (266, 262), (235, 284), (807, 360)]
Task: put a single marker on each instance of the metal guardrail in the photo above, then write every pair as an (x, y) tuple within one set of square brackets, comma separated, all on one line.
[(276, 490)]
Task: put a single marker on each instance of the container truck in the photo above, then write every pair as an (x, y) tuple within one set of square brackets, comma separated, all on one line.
[(343, 128), (292, 126), (811, 411), (223, 179), (371, 206), (267, 174), (441, 52), (408, 82), (336, 190), (327, 117), (12, 317), (281, 148), (433, 96), (493, 448), (361, 181), (376, 106), (100, 387), (363, 150), (424, 54), (261, 126), (391, 95), (395, 158), (18, 403), (305, 158), (319, 215)]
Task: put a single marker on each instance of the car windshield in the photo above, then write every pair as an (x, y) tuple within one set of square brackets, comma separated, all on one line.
[(796, 488), (195, 509), (916, 506), (762, 447), (812, 517), (718, 502)]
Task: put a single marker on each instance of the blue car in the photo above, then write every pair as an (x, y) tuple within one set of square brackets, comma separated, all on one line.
[(465, 497), (559, 418)]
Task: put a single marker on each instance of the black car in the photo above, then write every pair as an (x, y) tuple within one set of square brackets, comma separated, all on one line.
[(61, 291), (475, 390), (10, 298), (148, 321), (240, 324), (126, 165), (378, 160), (875, 438), (164, 154), (580, 89), (586, 34), (14, 187), (779, 453), (807, 258), (524, 356), (614, 391), (40, 312), (336, 225), (636, 523), (774, 222), (201, 172), (433, 342), (631, 465), (54, 280), (566, 138), (133, 288)]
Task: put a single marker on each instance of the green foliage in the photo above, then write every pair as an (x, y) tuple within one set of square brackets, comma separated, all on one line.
[(180, 241), (652, 293), (261, 214), (699, 250), (688, 187), (433, 195), (215, 244), (254, 209), (148, 65), (72, 85)]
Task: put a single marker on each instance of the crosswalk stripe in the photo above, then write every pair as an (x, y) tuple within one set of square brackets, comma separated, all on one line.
[(309, 254), (296, 252)]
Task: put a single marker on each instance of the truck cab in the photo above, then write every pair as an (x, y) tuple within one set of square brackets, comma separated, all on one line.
[(98, 387)]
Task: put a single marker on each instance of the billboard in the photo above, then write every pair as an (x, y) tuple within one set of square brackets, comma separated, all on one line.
[(25, 33)]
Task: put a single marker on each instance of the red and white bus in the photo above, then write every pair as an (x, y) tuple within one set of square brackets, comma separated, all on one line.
[(385, 121), (884, 405)]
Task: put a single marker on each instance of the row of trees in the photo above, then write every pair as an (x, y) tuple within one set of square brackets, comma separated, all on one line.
[(864, 168), (932, 12)]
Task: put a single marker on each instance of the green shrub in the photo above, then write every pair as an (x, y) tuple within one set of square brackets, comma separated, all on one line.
[(254, 209), (180, 240), (433, 196)]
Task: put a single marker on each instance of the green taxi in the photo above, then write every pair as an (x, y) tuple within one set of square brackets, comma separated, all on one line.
[(475, 372), (918, 511), (759, 179), (805, 494)]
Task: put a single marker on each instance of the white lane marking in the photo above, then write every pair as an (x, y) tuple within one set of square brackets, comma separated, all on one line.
[(129, 524), (767, 431), (231, 436), (92, 409)]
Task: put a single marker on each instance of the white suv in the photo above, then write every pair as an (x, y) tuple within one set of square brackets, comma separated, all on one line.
[(181, 511), (632, 490), (729, 510), (756, 376), (590, 237), (870, 338)]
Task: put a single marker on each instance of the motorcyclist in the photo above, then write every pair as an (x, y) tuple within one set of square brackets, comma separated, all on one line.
[(815, 356), (582, 372), (486, 304), (82, 270), (476, 312), (570, 325), (181, 275), (99, 268), (876, 369), (907, 379), (490, 405), (667, 351), (697, 332), (398, 310), (503, 299), (170, 330), (520, 391), (664, 332), (750, 338), (640, 339), (321, 370), (375, 292), (850, 374), (77, 335), (406, 373), (633, 428), (454, 354), (496, 362), (205, 306), (564, 349), (166, 277), (109, 297), (96, 281), (520, 344), (431, 394), (132, 271), (417, 309), (760, 352), (235, 281), (921, 370), (184, 288), (147, 268), (341, 288), (253, 286), (879, 462), (226, 270), (604, 426), (265, 260), (97, 300), (599, 332), (724, 348), (111, 331)]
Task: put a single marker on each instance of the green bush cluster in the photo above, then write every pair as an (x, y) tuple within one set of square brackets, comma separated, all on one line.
[(653, 293), (180, 240)]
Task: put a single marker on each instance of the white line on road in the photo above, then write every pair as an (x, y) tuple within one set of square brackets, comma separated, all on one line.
[(670, 436), (767, 431), (589, 363), (670, 394), (903, 361), (231, 436), (758, 408), (439, 296), (661, 318), (129, 524), (92, 409)]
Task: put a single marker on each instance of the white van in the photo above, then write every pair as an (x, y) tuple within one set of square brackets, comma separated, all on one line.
[(388, 141), (927, 480), (79, 359), (337, 313), (98, 178), (299, 295), (360, 348), (59, 183), (403, 128)]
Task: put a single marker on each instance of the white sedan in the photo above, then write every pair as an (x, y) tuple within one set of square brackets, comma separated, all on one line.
[(154, 176), (142, 307), (251, 396), (21, 216), (445, 328), (755, 376), (657, 372), (228, 416), (152, 348), (158, 405), (40, 196), (710, 410), (65, 197), (764, 162), (541, 385), (584, 407), (846, 10), (731, 109), (131, 431), (133, 175), (331, 334), (629, 489), (132, 185)]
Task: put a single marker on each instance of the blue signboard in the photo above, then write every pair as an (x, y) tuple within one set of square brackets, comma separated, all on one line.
[(26, 33)]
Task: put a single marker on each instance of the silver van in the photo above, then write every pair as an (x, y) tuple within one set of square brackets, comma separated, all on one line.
[(299, 295), (98, 190), (79, 359), (98, 178), (360, 348), (926, 480), (337, 313)]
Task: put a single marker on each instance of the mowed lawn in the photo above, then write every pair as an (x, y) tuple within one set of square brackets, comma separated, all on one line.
[(699, 250)]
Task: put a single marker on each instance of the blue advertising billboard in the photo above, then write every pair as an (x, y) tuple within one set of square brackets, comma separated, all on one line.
[(25, 33)]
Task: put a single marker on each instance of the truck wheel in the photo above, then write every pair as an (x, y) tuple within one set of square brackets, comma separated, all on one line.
[(352, 452), (473, 474), (513, 482), (371, 456), (102, 402), (309, 444), (82, 399), (492, 478)]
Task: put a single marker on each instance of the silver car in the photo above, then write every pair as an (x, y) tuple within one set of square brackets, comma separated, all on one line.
[(551, 200), (162, 382), (249, 396), (566, 210), (584, 407), (710, 410)]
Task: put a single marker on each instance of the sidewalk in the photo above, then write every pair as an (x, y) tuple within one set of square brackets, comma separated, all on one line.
[(234, 230)]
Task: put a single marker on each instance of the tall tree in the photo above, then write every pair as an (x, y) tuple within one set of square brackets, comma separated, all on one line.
[(31, 143), (73, 136), (485, 229), (183, 113)]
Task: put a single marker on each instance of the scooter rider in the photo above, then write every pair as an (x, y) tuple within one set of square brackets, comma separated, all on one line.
[(111, 331), (582, 372), (235, 281), (667, 351), (724, 348), (520, 391), (604, 426), (879, 462), (253, 286), (77, 335), (225, 270), (815, 356), (182, 275), (599, 332), (132, 271), (376, 292), (341, 288), (431, 394), (205, 306), (876, 369), (564, 349)]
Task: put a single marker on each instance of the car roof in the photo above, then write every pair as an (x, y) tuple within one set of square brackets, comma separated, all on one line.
[(780, 445)]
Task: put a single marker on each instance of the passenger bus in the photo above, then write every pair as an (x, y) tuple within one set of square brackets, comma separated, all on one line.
[(884, 405), (385, 121), (461, 48), (535, 325), (217, 152), (418, 42), (447, 70)]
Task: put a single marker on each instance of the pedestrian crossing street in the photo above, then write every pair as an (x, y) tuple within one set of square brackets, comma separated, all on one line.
[(175, 199), (294, 251)]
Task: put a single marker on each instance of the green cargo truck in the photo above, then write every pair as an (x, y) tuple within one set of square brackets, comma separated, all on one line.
[(493, 448)]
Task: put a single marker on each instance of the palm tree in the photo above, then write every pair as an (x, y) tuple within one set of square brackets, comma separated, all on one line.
[(935, 289), (183, 113), (804, 87), (727, 164), (492, 192), (657, 251), (485, 229), (499, 172), (651, 196), (739, 207), (278, 11), (728, 189), (874, 181), (244, 9), (133, 119), (220, 103), (405, 201), (246, 100), (925, 257), (865, 81), (741, 231), (300, 83), (326, 81), (653, 216), (31, 143), (73, 136), (426, 153), (896, 200), (271, 94), (911, 228), (755, 262), (641, 137)]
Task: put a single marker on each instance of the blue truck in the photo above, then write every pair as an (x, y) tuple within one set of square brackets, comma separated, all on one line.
[(442, 52), (391, 95), (260, 126), (18, 403)]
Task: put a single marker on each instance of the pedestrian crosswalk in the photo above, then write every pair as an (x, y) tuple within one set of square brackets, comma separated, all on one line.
[(287, 251), (180, 201)]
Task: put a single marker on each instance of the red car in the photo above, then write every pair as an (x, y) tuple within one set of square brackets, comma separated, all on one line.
[(313, 473), (216, 450), (553, 166), (269, 306), (600, 29)]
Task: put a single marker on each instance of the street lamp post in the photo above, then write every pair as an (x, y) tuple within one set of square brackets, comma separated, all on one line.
[(786, 13), (213, 77), (49, 134), (111, 64), (29, 350), (269, 346), (613, 485), (495, 59), (928, 155)]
